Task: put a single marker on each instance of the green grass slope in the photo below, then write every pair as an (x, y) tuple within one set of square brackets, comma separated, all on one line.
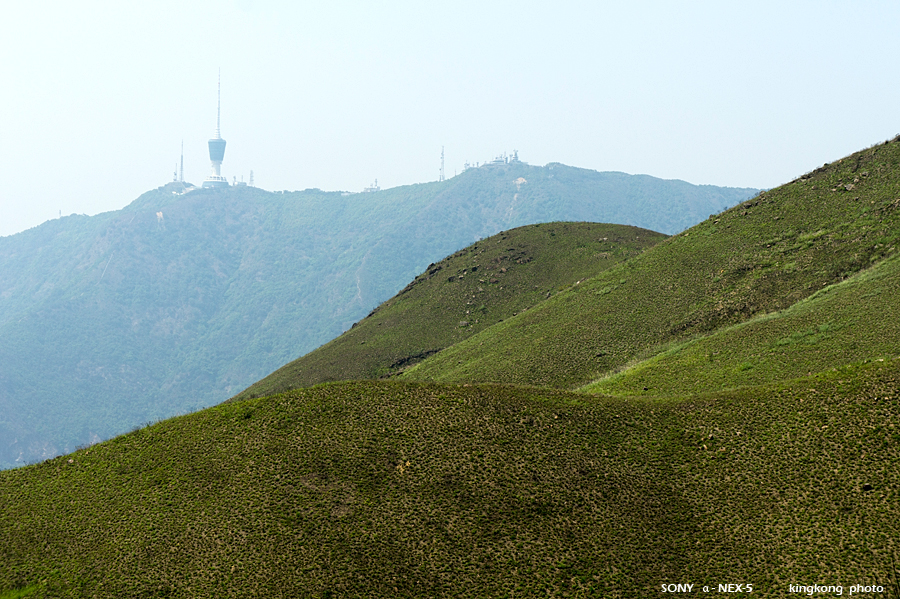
[(855, 320), (461, 295), (762, 256), (377, 489)]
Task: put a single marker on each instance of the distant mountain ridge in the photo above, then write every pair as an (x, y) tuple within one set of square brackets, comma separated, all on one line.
[(176, 302)]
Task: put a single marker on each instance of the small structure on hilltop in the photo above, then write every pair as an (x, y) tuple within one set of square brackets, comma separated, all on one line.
[(498, 161)]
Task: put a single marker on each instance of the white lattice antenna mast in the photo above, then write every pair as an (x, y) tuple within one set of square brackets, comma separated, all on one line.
[(219, 107), (181, 172), (442, 163)]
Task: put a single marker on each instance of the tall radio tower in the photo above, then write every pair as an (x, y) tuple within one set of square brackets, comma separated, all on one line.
[(442, 164), (217, 148), (181, 174)]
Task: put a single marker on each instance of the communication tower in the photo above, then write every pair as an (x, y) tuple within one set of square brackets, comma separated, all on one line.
[(217, 148), (442, 163), (181, 174)]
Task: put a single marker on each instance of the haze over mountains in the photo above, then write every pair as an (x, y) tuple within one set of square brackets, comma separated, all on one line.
[(178, 301), (721, 408)]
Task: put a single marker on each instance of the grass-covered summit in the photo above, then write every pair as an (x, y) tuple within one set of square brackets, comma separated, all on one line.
[(470, 290)]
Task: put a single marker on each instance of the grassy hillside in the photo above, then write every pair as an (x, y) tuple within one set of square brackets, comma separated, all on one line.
[(391, 489), (763, 450), (179, 301), (461, 295), (857, 319), (762, 256)]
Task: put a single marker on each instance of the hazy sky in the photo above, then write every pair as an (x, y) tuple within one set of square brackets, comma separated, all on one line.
[(96, 97)]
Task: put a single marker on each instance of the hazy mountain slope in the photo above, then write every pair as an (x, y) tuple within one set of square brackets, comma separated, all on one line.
[(177, 302), (855, 320), (391, 489), (668, 206), (761, 256), (462, 294)]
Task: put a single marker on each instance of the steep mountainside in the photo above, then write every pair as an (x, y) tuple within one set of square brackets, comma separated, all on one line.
[(466, 292), (177, 302), (761, 256)]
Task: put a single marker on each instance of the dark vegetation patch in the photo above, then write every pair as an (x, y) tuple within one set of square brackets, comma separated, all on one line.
[(408, 360)]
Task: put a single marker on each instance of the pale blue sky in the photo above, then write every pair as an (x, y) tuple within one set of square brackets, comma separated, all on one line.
[(96, 97)]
